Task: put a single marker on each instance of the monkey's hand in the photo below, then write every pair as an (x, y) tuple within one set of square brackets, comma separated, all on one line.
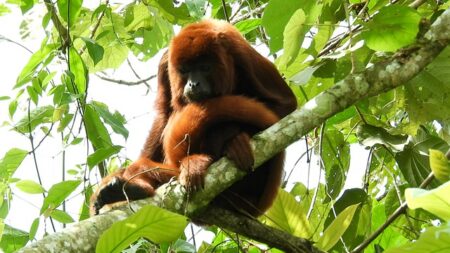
[(193, 169), (239, 151)]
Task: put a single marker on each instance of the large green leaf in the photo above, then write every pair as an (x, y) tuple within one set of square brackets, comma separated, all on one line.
[(413, 161), (393, 27), (69, 10), (440, 165), (115, 120), (42, 56), (151, 222), (30, 186), (276, 16), (10, 162), (13, 239), (101, 154), (435, 201), (43, 114), (434, 239), (294, 33), (96, 130), (427, 95), (78, 70), (175, 15), (58, 193), (288, 215), (336, 229), (371, 135)]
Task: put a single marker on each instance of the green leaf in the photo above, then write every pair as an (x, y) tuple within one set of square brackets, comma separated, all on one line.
[(288, 215), (29, 186), (39, 115), (12, 108), (4, 10), (413, 160), (427, 94), (393, 27), (439, 165), (95, 51), (69, 10), (58, 193), (196, 8), (10, 162), (61, 216), (78, 69), (293, 37), (371, 135), (33, 229), (156, 224), (434, 239), (275, 17), (4, 98), (36, 59), (435, 201), (96, 130), (175, 15), (248, 25), (13, 239), (116, 120), (337, 228), (102, 154)]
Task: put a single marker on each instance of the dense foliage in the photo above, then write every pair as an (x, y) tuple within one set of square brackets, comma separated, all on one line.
[(315, 44)]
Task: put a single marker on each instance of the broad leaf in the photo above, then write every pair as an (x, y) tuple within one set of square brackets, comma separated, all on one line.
[(61, 216), (434, 239), (40, 115), (435, 201), (58, 193), (10, 162), (393, 27), (36, 59), (78, 70), (30, 186), (69, 10), (96, 130), (439, 165), (101, 154), (337, 228), (288, 215), (151, 222)]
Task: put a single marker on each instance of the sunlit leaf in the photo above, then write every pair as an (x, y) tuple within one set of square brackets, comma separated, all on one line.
[(36, 59), (151, 222), (58, 193), (13, 239), (11, 161), (95, 50), (96, 130), (33, 229), (69, 10), (434, 239), (40, 115), (101, 154), (439, 165), (248, 25), (337, 228), (435, 201), (61, 216), (288, 215), (393, 27), (78, 69), (30, 186)]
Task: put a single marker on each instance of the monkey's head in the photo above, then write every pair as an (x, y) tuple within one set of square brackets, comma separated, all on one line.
[(200, 63)]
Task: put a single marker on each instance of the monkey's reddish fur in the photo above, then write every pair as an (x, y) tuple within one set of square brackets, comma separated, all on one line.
[(186, 137)]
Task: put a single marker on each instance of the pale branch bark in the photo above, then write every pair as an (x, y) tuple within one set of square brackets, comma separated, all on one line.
[(379, 78)]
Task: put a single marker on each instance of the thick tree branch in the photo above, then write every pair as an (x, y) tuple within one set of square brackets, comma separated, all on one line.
[(381, 77)]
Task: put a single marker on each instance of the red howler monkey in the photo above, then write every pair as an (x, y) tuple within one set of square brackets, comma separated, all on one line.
[(215, 88)]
